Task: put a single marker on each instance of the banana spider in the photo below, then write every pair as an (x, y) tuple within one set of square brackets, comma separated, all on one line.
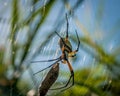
[(67, 52)]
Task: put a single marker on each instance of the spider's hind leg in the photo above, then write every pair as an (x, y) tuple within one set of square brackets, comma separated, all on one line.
[(65, 86), (71, 77), (67, 26)]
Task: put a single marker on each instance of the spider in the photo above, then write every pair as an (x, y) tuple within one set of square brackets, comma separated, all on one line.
[(67, 52)]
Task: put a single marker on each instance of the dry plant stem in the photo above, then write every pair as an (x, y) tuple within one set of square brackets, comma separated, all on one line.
[(49, 80)]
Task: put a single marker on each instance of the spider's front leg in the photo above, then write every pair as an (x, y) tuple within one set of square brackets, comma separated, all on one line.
[(67, 26), (73, 53), (78, 42)]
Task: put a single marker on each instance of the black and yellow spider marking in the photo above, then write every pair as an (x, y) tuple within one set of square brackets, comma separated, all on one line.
[(67, 52)]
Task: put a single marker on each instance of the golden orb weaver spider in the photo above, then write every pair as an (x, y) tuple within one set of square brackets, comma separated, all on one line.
[(67, 52)]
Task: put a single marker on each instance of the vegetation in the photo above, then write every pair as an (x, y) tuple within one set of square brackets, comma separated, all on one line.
[(29, 34)]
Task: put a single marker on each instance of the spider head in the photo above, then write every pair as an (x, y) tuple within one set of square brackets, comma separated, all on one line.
[(72, 54)]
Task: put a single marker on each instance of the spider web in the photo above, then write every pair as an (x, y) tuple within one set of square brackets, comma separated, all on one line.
[(29, 83), (51, 46)]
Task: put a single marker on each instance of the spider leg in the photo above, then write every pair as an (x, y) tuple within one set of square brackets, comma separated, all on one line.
[(71, 76), (48, 66), (73, 53), (78, 42), (67, 26), (45, 60)]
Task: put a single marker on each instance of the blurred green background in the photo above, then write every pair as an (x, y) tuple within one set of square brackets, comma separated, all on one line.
[(27, 33)]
